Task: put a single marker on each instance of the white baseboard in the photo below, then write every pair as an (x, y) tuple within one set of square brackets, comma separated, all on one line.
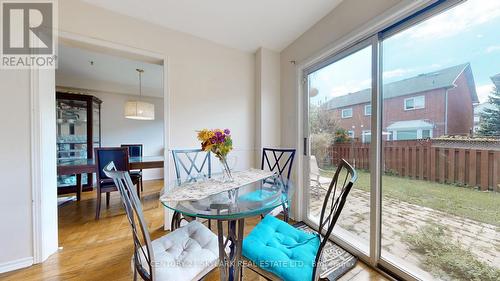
[(16, 264)]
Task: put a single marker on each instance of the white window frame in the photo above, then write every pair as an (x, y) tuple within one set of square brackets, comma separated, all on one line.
[(368, 106), (364, 133), (345, 110), (351, 134), (414, 104)]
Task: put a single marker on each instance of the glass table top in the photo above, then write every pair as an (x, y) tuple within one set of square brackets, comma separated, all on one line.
[(249, 200)]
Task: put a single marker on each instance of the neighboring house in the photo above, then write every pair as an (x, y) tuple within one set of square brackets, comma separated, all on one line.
[(427, 105)]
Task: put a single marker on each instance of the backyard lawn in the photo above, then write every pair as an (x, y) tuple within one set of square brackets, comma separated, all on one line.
[(460, 201)]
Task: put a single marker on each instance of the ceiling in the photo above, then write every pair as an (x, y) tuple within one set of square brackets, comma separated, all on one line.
[(244, 25), (108, 73)]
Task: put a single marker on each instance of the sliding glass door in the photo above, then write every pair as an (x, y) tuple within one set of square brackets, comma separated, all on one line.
[(416, 110), (339, 114), (440, 193)]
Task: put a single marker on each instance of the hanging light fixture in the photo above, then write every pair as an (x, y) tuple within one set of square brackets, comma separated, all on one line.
[(138, 109)]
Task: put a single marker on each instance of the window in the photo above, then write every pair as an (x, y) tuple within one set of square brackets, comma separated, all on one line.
[(426, 134), (366, 136), (407, 135), (347, 113), (368, 109), (351, 134), (415, 103)]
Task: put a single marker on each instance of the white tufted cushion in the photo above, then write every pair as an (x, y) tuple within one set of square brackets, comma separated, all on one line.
[(188, 253)]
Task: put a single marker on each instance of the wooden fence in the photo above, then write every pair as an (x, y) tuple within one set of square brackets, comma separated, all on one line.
[(426, 160)]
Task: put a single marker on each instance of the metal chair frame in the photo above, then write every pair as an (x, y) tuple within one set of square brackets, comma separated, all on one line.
[(193, 171), (140, 234), (274, 164), (333, 204)]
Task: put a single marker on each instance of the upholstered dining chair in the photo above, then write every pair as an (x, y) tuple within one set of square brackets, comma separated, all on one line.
[(280, 161), (278, 251), (190, 165), (188, 253), (104, 155), (135, 150)]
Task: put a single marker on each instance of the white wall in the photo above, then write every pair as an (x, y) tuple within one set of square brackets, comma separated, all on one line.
[(15, 168), (267, 96), (343, 20), (117, 130), (210, 85)]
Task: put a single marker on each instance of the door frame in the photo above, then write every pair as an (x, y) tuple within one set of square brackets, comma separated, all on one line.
[(45, 237)]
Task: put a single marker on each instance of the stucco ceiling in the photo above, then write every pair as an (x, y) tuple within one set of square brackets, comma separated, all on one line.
[(106, 73), (244, 25)]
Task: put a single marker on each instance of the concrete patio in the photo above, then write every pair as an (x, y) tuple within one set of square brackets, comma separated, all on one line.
[(400, 218)]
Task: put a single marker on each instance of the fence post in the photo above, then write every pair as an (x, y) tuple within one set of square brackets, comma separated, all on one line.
[(472, 167), (484, 170)]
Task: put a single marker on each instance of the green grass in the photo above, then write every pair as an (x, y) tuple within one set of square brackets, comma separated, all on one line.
[(460, 201), (446, 258)]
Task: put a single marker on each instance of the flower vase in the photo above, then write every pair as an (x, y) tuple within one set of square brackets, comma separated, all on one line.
[(226, 171)]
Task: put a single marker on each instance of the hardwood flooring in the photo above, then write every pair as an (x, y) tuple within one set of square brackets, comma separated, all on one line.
[(101, 250)]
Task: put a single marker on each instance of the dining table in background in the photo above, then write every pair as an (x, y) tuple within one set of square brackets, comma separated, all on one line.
[(78, 167)]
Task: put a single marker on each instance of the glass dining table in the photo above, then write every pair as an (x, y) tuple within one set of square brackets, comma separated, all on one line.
[(231, 207)]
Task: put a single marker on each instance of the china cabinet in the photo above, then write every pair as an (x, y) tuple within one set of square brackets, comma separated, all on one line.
[(78, 121)]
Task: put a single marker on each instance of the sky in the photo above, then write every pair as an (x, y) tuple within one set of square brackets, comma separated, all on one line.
[(467, 33)]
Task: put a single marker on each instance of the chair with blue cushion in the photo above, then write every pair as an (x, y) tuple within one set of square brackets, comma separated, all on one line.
[(280, 161), (278, 251), (190, 165), (135, 150)]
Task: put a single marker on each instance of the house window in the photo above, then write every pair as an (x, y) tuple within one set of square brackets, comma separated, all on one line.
[(368, 109), (426, 134), (347, 113), (350, 134), (407, 135), (414, 103), (366, 136)]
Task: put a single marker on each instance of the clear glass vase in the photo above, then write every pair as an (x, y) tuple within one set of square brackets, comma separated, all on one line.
[(226, 170)]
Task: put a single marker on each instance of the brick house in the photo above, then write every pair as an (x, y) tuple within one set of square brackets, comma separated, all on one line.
[(427, 105)]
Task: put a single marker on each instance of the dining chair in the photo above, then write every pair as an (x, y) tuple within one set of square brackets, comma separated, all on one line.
[(279, 251), (190, 165), (104, 155), (135, 150), (280, 161), (188, 253)]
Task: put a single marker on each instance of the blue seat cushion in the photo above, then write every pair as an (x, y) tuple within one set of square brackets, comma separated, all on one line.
[(278, 247)]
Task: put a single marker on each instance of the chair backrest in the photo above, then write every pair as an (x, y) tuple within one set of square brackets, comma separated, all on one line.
[(334, 202), (191, 164), (278, 160), (104, 155), (143, 250), (134, 150), (313, 165)]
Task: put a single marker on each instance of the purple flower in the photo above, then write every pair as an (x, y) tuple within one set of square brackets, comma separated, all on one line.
[(213, 140), (227, 132), (218, 134)]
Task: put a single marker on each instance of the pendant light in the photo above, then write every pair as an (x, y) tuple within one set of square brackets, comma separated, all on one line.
[(139, 110)]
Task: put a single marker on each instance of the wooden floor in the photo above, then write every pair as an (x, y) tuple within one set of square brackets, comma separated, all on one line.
[(101, 250)]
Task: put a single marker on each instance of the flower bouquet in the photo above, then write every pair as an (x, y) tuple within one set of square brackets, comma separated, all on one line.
[(219, 142)]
